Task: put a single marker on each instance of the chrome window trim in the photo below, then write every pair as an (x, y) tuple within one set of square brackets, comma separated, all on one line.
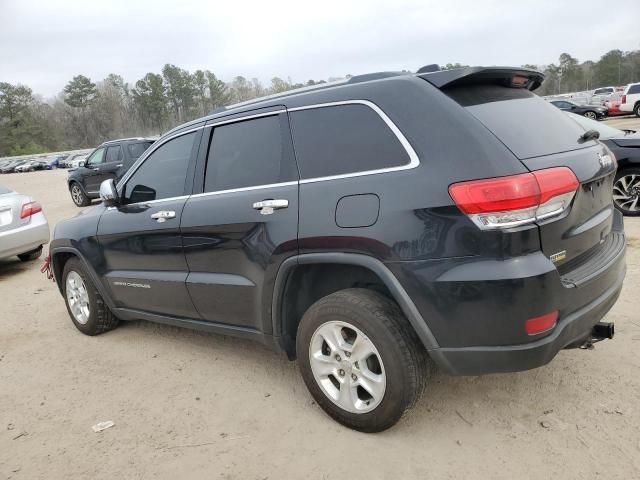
[(414, 161)]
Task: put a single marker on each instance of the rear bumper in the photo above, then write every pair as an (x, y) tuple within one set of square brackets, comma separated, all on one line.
[(25, 238), (513, 358), (476, 308)]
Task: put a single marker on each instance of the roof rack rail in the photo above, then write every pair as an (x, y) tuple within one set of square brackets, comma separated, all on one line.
[(367, 77)]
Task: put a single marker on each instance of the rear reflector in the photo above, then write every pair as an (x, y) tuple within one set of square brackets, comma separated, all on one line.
[(536, 325), (505, 202), (29, 209)]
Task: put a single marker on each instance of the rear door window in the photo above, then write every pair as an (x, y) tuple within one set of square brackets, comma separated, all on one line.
[(114, 154), (344, 139), (249, 153), (528, 125)]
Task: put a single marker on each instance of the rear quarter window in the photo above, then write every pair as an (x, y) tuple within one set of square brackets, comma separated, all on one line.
[(137, 149), (528, 125), (634, 89), (344, 139)]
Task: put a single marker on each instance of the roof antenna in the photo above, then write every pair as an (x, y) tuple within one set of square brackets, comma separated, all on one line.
[(434, 67)]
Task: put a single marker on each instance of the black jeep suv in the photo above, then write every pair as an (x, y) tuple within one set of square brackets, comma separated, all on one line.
[(109, 160), (365, 228)]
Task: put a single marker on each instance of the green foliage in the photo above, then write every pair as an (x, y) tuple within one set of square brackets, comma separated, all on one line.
[(89, 113), (80, 92)]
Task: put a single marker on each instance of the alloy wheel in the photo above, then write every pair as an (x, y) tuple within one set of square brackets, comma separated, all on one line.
[(347, 367), (76, 194), (626, 192), (590, 115), (77, 297)]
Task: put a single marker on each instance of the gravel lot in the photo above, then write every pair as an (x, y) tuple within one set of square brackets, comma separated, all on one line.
[(194, 405)]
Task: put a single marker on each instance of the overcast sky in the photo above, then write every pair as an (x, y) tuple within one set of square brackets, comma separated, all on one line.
[(45, 43)]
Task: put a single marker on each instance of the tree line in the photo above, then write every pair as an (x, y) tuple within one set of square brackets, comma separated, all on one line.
[(85, 113)]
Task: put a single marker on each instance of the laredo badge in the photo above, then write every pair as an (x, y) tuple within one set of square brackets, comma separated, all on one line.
[(558, 257)]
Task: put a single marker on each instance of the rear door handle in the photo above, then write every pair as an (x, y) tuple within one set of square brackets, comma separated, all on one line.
[(267, 207), (163, 215)]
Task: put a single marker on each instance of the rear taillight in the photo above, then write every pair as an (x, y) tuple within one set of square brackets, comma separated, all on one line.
[(540, 324), (623, 99), (505, 202), (29, 209)]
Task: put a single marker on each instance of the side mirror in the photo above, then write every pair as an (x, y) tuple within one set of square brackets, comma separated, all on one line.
[(82, 163), (108, 193)]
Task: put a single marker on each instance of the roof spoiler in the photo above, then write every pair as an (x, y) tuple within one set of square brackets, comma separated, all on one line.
[(507, 76)]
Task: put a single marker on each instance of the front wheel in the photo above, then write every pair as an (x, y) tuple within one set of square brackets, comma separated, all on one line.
[(591, 115), (78, 196), (626, 191), (86, 307), (360, 359), (636, 109)]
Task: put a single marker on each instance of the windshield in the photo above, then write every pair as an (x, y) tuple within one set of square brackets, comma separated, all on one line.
[(605, 131)]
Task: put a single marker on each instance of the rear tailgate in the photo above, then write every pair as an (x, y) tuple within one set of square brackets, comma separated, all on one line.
[(541, 136)]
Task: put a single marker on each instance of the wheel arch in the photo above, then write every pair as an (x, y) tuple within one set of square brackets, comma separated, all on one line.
[(292, 295), (61, 255)]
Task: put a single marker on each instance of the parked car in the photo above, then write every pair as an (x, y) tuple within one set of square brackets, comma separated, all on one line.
[(31, 166), (625, 145), (53, 161), (366, 228), (630, 101), (604, 90), (613, 104), (74, 161), (10, 167), (23, 226), (595, 112), (109, 160)]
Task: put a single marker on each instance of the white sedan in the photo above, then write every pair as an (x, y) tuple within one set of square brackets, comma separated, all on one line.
[(23, 227)]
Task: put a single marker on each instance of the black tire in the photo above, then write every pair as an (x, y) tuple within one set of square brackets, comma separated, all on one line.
[(636, 109), (31, 255), (590, 114), (78, 196), (618, 189), (100, 318), (401, 352)]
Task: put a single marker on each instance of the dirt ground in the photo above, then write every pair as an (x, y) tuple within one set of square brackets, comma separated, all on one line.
[(193, 405)]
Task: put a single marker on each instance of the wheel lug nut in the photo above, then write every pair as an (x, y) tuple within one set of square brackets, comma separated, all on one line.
[(338, 358), (353, 376), (341, 372), (347, 354)]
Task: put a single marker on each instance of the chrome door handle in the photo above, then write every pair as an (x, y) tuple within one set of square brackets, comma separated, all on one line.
[(163, 215), (267, 207)]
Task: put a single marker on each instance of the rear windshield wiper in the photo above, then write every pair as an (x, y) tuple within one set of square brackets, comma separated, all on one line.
[(589, 135)]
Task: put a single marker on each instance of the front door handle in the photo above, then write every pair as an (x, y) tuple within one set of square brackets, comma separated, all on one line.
[(163, 215), (267, 207)]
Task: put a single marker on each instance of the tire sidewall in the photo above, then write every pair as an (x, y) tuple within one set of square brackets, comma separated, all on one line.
[(74, 265), (83, 200), (388, 411)]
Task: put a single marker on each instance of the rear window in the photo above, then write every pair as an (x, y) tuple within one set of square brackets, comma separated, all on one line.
[(344, 139), (137, 149), (528, 125), (634, 89)]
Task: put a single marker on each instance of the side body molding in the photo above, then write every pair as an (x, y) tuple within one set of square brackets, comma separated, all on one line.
[(376, 266)]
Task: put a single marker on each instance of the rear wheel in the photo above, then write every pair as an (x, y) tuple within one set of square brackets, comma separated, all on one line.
[(31, 255), (636, 109), (591, 115), (86, 307), (626, 191), (78, 196), (360, 359)]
